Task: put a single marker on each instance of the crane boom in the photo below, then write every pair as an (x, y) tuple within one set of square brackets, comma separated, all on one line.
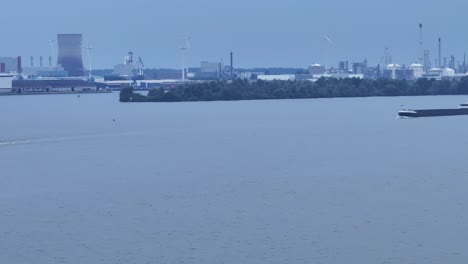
[(141, 62)]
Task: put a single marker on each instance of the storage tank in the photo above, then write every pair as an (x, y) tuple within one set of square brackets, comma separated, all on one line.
[(448, 72), (393, 67), (435, 71), (418, 70)]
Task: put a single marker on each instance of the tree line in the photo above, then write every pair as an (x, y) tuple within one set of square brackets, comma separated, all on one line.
[(322, 88)]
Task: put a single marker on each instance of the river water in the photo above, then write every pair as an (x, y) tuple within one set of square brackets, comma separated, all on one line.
[(91, 180)]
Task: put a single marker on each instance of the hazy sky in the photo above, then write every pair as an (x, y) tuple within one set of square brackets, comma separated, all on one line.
[(261, 33)]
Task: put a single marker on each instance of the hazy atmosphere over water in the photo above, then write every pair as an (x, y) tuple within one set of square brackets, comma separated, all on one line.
[(261, 33), (253, 182)]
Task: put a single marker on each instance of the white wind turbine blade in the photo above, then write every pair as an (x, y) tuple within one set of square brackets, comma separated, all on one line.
[(328, 39)]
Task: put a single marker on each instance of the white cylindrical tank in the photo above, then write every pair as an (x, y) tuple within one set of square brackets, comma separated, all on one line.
[(393, 67), (435, 71), (448, 72), (418, 70)]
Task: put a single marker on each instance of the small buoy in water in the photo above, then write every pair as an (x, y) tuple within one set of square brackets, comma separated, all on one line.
[(78, 96), (113, 120)]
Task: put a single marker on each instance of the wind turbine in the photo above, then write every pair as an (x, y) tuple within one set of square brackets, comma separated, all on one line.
[(51, 42), (88, 49), (183, 50), (328, 39), (331, 43)]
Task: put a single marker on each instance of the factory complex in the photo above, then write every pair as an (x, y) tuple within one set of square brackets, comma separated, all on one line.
[(69, 74)]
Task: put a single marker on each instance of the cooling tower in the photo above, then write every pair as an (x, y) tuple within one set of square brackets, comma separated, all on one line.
[(69, 54)]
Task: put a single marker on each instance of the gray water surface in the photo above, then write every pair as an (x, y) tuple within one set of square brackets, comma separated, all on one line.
[(291, 181)]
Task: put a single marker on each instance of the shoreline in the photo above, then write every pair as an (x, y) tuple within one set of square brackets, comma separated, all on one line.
[(55, 93), (297, 98)]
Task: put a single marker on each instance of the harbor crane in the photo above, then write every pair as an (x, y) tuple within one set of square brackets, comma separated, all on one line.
[(140, 67), (139, 70)]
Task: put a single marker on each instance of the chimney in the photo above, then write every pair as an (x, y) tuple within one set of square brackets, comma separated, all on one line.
[(440, 52), (232, 66), (19, 68), (2, 67)]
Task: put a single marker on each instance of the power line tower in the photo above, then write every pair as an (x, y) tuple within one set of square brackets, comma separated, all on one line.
[(388, 57)]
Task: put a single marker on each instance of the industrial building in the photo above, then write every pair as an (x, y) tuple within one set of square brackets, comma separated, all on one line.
[(52, 86), (126, 68), (346, 75), (279, 77), (211, 67), (167, 75), (249, 75), (10, 64), (6, 83), (57, 71), (209, 71), (123, 69), (70, 55), (360, 67), (397, 72), (316, 69), (343, 66)]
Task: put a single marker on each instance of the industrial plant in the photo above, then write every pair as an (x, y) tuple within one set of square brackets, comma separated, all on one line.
[(70, 74), (70, 54), (66, 76)]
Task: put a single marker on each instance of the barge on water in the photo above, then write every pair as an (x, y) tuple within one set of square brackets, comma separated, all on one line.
[(462, 110)]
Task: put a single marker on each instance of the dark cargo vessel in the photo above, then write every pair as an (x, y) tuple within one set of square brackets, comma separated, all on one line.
[(463, 110)]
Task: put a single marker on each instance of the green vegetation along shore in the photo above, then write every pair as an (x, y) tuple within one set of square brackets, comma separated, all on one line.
[(323, 88)]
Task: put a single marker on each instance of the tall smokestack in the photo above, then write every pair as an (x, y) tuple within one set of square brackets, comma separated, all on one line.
[(464, 62), (440, 52), (232, 65), (50, 61), (421, 46), (19, 67), (2, 67), (41, 61), (32, 61)]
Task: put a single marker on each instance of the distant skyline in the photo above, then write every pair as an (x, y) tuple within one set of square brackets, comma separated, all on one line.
[(260, 33)]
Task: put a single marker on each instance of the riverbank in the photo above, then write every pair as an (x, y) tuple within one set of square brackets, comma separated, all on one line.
[(49, 93), (323, 88)]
